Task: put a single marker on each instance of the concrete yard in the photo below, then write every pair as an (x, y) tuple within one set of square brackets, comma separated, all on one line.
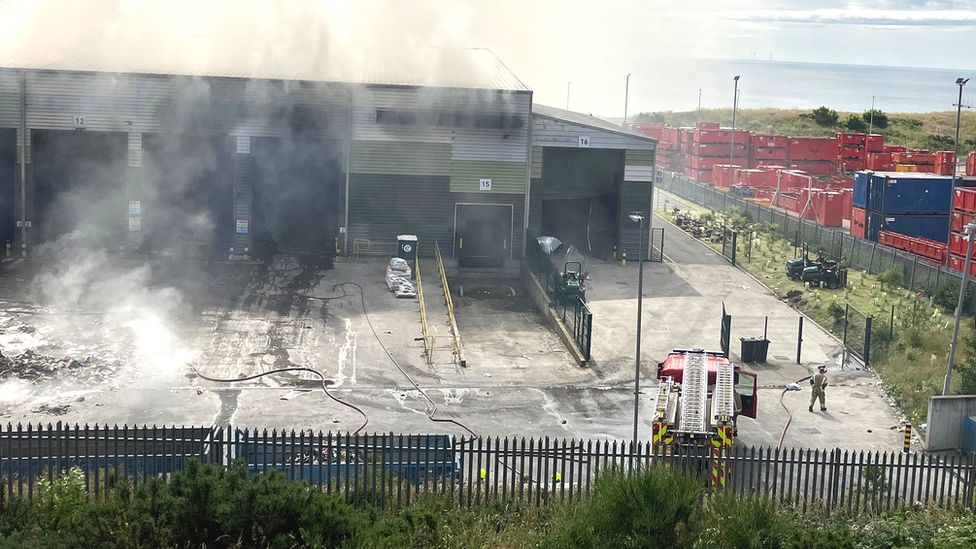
[(519, 379)]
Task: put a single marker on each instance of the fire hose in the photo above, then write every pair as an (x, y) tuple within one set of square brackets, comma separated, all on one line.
[(782, 437)]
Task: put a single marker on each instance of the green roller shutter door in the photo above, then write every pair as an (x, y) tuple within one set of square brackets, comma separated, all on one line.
[(383, 206)]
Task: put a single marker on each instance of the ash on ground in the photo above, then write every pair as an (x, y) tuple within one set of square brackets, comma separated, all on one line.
[(33, 366)]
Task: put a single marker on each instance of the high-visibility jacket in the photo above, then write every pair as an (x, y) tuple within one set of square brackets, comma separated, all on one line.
[(819, 382)]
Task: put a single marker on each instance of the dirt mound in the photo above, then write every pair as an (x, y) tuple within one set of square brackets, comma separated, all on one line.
[(32, 366)]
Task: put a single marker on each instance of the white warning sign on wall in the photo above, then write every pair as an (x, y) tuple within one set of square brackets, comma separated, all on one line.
[(484, 185), (242, 226), (135, 223)]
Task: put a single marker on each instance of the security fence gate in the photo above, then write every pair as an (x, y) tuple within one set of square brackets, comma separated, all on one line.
[(394, 469)]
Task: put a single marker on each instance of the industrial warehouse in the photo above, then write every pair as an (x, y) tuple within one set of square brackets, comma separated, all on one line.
[(240, 164)]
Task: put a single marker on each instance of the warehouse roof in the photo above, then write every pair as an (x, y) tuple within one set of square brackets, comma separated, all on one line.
[(476, 68), (585, 120)]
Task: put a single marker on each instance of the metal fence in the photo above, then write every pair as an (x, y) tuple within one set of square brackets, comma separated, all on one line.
[(394, 469), (920, 274), (572, 310)]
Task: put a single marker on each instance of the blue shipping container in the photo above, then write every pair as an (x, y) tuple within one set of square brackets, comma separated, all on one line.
[(909, 193), (862, 180), (933, 227)]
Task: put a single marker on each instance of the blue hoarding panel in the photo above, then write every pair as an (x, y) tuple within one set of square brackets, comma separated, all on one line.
[(862, 181)]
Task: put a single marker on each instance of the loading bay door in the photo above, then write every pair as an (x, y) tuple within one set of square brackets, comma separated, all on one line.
[(483, 234)]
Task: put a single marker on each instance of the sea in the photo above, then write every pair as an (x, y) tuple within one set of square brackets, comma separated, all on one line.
[(797, 85)]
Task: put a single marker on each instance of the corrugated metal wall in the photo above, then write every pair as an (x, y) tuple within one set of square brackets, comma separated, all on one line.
[(635, 196), (401, 157), (547, 132), (639, 165), (506, 177)]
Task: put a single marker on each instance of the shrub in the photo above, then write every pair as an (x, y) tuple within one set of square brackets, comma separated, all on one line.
[(650, 508), (879, 118), (893, 278), (836, 311), (823, 116), (855, 123)]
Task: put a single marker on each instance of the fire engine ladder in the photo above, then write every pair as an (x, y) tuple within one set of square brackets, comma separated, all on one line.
[(694, 393), (723, 394), (663, 403)]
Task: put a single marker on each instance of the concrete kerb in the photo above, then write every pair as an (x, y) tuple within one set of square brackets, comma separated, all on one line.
[(541, 301), (760, 282)]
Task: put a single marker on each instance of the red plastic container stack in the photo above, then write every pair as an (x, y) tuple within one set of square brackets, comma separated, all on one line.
[(929, 249), (859, 222), (650, 129), (945, 162), (766, 150), (851, 153), (971, 163), (814, 155), (880, 162), (707, 146), (722, 175), (957, 263), (963, 211)]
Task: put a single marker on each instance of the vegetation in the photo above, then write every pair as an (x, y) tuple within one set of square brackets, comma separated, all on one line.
[(211, 507), (931, 130), (825, 117)]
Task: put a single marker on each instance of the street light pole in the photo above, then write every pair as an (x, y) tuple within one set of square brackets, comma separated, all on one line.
[(638, 218), (955, 147), (735, 104), (969, 230), (960, 82), (626, 97), (871, 124)]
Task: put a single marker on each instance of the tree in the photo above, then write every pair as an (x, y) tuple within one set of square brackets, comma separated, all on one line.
[(823, 116), (880, 119), (855, 123)]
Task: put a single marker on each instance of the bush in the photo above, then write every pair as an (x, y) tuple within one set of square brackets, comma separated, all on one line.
[(947, 297), (855, 123), (823, 116), (879, 118), (651, 508), (836, 312), (893, 278)]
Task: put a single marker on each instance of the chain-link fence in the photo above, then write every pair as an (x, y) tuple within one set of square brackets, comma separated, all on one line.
[(919, 274)]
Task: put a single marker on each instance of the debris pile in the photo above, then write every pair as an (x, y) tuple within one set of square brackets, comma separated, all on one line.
[(399, 278), (32, 366)]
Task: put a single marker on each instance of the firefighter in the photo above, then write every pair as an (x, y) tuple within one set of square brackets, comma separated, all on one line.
[(819, 384)]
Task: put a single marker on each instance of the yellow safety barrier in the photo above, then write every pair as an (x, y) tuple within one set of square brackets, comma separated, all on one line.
[(425, 330), (456, 343)]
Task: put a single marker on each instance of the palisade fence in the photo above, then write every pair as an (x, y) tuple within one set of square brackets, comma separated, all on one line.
[(573, 310), (920, 274), (393, 469)]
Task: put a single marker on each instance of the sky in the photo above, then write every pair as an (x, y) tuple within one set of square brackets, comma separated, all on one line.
[(547, 43)]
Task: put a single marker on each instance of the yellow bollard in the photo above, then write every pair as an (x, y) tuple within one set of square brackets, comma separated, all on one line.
[(908, 438), (623, 259)]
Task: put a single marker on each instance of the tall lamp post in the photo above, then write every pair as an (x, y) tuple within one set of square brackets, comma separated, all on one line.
[(638, 217), (735, 104), (969, 230), (626, 97), (955, 147)]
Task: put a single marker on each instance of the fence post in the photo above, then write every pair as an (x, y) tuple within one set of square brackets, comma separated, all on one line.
[(867, 341), (799, 340), (847, 316), (911, 282), (734, 238), (871, 263), (891, 323)]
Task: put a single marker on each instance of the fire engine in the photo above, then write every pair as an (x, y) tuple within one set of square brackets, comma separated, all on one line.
[(699, 396)]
